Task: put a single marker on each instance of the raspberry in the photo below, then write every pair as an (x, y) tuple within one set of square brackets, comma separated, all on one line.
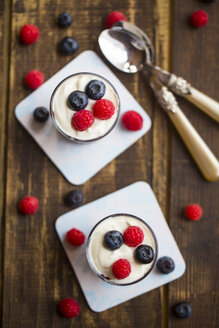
[(121, 268), (34, 79), (193, 212), (133, 236), (103, 109), (132, 120), (82, 120), (29, 205), (29, 34), (114, 17), (199, 18), (75, 237), (69, 308)]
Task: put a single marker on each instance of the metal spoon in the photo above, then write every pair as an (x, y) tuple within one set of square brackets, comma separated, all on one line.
[(131, 51), (176, 84)]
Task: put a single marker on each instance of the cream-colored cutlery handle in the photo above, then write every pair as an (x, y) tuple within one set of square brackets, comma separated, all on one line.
[(204, 158), (205, 103), (199, 99)]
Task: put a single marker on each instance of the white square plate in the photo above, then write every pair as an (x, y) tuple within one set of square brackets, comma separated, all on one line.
[(137, 199), (79, 162)]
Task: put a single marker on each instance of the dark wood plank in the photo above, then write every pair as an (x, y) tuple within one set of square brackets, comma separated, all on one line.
[(195, 57), (37, 272), (4, 65)]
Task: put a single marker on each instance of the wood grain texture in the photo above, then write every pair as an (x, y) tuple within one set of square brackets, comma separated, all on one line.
[(4, 65), (195, 57), (37, 272)]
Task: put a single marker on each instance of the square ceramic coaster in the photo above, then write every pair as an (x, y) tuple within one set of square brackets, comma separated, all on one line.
[(137, 199), (79, 162)]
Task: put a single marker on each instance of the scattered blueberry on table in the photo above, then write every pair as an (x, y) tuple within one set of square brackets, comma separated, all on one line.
[(68, 46), (41, 114), (65, 20), (182, 310), (74, 198), (165, 264)]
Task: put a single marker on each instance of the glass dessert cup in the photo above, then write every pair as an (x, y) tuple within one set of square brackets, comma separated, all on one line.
[(106, 277), (52, 108)]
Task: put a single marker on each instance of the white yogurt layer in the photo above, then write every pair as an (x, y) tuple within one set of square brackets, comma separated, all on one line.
[(104, 258), (63, 114)]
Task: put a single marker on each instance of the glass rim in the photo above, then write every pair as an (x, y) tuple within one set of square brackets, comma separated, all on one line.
[(53, 116), (101, 275)]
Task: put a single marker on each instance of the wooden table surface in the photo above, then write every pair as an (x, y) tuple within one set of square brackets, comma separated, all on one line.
[(35, 272)]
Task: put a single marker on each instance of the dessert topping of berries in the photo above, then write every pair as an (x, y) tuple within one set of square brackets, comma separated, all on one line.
[(103, 109), (144, 254), (133, 236), (113, 240), (95, 89), (121, 268), (77, 100), (82, 120)]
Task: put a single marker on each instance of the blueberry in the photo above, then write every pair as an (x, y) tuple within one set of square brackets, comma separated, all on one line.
[(41, 114), (74, 198), (77, 100), (144, 254), (113, 240), (182, 310), (95, 89), (165, 264), (65, 20), (68, 46)]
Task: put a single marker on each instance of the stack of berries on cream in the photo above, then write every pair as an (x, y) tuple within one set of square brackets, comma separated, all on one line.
[(122, 249), (84, 107)]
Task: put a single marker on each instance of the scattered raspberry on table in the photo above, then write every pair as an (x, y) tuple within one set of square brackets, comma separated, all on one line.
[(29, 34), (121, 268), (103, 109), (193, 212), (114, 17), (75, 237), (34, 79), (199, 18), (29, 205), (82, 120), (69, 308), (133, 236), (132, 120)]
